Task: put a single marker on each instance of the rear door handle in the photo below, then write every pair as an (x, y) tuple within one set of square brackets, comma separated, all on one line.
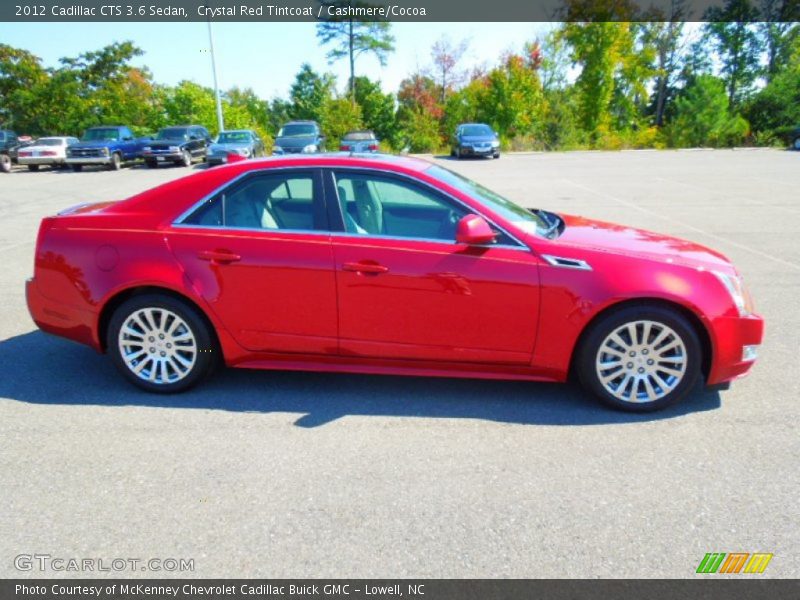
[(364, 267), (218, 256)]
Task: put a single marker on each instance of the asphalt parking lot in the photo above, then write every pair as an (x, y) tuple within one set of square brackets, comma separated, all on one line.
[(291, 475)]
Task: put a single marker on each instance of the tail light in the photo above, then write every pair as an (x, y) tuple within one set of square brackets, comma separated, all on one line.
[(47, 153), (343, 148), (373, 147), (25, 153)]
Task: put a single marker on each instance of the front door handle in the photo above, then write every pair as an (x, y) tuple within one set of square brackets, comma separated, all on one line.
[(218, 256), (364, 267)]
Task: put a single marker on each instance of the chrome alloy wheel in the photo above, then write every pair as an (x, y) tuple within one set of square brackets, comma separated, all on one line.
[(157, 345), (641, 361)]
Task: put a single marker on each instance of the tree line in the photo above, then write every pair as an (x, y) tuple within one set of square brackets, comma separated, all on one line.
[(612, 84)]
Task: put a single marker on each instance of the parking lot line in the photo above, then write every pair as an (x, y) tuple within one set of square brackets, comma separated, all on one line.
[(699, 230)]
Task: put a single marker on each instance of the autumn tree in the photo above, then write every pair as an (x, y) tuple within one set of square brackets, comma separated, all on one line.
[(446, 56)]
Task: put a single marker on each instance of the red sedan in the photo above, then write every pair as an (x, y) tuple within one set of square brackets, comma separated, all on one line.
[(386, 265)]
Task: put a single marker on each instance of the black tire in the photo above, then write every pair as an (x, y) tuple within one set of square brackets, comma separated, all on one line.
[(588, 351), (796, 143), (207, 353), (186, 159), (33, 167), (116, 162), (76, 168), (5, 163), (497, 155)]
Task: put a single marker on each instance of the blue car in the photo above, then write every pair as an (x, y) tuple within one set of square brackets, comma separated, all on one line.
[(475, 139)]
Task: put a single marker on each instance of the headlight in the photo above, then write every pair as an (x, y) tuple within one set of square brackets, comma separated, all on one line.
[(147, 149), (277, 150), (243, 151), (737, 292), (495, 144), (105, 151), (69, 151), (310, 148), (174, 149)]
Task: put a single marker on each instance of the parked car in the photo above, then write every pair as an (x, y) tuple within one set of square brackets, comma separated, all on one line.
[(244, 142), (795, 138), (386, 265), (108, 145), (8, 148), (48, 151), (299, 137), (179, 145), (475, 139), (359, 142)]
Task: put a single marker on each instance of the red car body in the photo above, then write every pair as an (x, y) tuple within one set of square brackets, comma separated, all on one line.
[(331, 301)]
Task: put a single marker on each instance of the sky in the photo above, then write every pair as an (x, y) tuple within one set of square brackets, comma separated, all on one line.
[(263, 56)]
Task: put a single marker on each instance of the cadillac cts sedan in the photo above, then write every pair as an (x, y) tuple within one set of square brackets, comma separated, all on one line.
[(375, 264)]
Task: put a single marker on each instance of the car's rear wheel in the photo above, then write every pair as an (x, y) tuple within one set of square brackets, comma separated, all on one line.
[(33, 167), (160, 343), (151, 164), (186, 160), (640, 358), (5, 163)]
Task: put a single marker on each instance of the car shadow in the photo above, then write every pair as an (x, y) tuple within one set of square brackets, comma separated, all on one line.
[(42, 369)]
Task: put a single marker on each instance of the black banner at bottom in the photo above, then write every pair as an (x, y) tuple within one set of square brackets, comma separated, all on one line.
[(386, 589)]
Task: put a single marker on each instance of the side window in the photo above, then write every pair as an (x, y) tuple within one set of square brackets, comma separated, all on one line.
[(269, 202), (375, 205), (126, 133)]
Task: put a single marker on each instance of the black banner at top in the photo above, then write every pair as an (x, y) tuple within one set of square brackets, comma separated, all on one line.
[(398, 10)]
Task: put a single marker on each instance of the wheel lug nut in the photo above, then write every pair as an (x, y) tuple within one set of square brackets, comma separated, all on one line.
[(641, 369), (644, 351), (629, 365), (161, 337), (152, 339), (163, 353), (632, 353), (650, 361), (152, 350), (170, 346)]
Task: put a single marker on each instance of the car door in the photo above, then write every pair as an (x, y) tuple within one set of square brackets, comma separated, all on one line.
[(127, 144), (268, 276), (407, 290)]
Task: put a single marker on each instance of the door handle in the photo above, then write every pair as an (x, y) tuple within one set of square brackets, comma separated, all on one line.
[(364, 267), (218, 256)]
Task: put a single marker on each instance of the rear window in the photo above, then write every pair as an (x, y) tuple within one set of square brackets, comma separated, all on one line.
[(358, 136)]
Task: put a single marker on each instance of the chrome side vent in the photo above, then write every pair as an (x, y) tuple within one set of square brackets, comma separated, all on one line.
[(567, 263)]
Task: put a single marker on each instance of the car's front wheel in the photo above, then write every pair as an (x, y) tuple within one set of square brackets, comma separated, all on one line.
[(796, 143), (5, 163), (186, 159), (116, 162), (160, 343), (640, 358)]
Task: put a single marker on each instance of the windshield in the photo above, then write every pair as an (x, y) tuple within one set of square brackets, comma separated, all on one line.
[(101, 134), (297, 130), (172, 133), (354, 136), (476, 130), (50, 142), (231, 137), (538, 222)]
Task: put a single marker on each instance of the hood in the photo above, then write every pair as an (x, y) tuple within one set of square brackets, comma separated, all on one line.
[(620, 239), (94, 144), (228, 146), (296, 141)]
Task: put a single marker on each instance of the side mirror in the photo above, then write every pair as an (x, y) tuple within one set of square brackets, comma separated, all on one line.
[(127, 138), (474, 230)]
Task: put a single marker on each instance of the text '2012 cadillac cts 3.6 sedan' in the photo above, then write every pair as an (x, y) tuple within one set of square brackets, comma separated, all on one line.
[(385, 265)]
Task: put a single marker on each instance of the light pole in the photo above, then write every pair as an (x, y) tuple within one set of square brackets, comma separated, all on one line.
[(220, 122)]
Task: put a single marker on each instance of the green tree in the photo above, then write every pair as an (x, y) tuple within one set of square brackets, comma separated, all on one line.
[(703, 118), (339, 115), (189, 102), (309, 93), (778, 32), (514, 102), (377, 109), (736, 44), (352, 38)]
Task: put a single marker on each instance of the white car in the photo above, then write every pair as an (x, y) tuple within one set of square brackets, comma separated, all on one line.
[(46, 151)]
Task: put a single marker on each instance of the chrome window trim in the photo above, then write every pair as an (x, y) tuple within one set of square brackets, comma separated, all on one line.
[(179, 224), (469, 209)]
